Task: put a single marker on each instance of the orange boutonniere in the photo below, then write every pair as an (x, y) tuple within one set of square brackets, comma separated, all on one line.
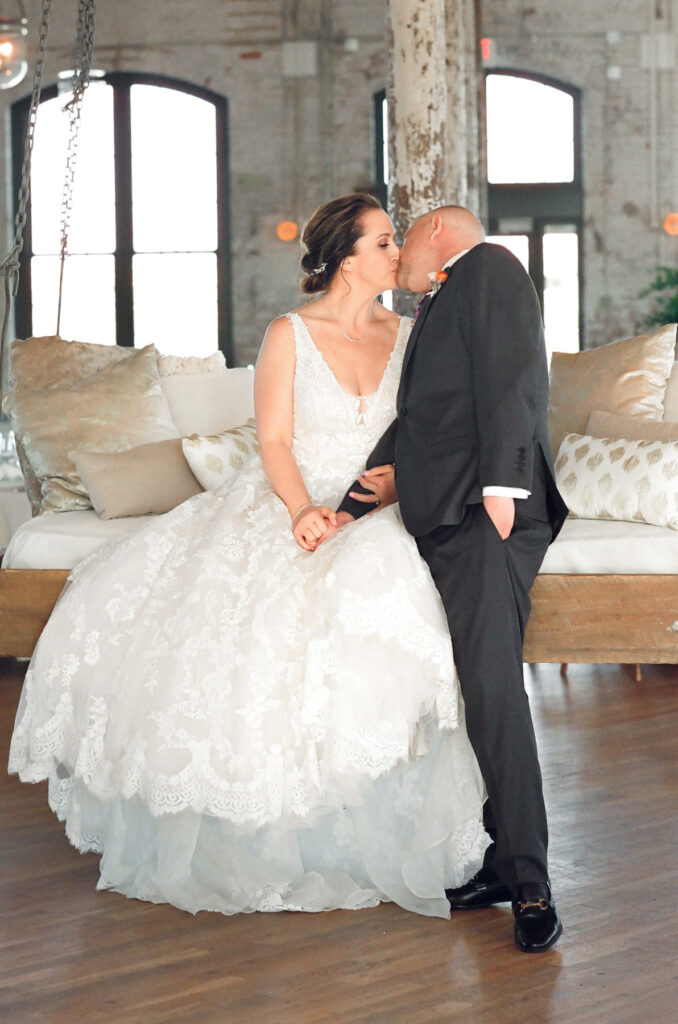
[(437, 278)]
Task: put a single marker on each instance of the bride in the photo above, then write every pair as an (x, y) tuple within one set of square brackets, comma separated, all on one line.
[(241, 708)]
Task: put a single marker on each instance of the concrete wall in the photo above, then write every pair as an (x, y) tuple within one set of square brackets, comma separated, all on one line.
[(296, 141)]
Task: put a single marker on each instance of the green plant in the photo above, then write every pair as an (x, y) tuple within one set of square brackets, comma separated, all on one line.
[(664, 287)]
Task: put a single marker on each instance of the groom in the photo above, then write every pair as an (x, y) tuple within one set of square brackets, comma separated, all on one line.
[(475, 481)]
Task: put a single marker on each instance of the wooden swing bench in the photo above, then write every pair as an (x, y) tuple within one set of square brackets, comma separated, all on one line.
[(614, 618)]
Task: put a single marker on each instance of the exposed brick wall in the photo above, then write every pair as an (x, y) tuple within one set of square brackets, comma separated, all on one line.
[(294, 142), (571, 42)]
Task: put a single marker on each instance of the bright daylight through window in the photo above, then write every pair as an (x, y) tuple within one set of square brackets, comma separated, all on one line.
[(173, 154)]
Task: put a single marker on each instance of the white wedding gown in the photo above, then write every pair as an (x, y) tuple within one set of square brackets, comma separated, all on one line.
[(236, 724)]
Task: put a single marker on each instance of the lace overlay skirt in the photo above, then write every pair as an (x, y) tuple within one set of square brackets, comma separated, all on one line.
[(236, 724)]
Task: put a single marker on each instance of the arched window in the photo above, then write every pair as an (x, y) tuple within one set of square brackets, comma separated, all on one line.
[(535, 194), (149, 228), (534, 188)]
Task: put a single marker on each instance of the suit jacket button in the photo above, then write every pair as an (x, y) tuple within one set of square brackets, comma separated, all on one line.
[(402, 413)]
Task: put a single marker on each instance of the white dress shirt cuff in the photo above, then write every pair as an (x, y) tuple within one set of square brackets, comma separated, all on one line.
[(506, 492)]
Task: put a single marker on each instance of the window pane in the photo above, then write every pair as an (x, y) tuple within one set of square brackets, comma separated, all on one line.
[(519, 245), (384, 137), (561, 289), (88, 308), (530, 131), (93, 216), (175, 303), (174, 173)]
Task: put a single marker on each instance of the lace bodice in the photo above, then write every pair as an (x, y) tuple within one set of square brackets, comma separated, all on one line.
[(335, 431)]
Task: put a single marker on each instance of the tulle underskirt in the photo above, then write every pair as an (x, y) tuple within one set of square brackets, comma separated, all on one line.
[(405, 838)]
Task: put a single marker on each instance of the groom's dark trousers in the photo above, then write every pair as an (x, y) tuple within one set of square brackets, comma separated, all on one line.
[(472, 413)]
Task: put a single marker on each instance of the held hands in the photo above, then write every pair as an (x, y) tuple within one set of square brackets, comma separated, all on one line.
[(502, 512), (310, 524), (380, 480)]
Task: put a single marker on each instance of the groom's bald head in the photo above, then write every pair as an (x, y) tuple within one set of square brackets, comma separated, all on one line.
[(461, 225), (432, 240)]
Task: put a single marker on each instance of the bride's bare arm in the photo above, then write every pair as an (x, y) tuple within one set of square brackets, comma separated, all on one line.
[(274, 412)]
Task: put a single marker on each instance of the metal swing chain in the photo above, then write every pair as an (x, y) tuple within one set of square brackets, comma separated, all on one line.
[(9, 268), (84, 42)]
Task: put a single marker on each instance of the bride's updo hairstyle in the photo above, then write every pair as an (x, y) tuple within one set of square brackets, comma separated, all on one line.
[(331, 235)]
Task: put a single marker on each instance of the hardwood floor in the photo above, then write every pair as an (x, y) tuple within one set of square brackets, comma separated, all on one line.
[(609, 750)]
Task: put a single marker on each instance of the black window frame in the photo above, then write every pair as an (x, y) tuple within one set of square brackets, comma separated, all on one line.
[(543, 203), (122, 82)]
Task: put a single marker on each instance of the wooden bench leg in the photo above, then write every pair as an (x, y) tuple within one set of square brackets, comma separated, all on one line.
[(563, 669), (637, 674)]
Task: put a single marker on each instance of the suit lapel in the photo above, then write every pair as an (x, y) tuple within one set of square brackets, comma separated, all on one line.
[(415, 332), (419, 323)]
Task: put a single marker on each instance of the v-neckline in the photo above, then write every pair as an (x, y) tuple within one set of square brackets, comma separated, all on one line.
[(351, 394)]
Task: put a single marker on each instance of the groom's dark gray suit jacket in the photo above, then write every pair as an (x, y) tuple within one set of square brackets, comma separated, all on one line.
[(471, 407)]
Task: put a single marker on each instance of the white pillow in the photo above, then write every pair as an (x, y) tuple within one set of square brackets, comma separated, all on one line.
[(604, 478), (214, 460), (207, 403)]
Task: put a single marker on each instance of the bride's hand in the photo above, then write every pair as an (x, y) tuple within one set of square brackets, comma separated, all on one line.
[(343, 519), (310, 523), (380, 480)]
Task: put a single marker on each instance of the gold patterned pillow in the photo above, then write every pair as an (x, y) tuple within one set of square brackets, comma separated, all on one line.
[(607, 478), (215, 459)]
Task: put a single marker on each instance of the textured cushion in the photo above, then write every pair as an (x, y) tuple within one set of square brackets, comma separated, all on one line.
[(627, 377), (51, 362), (171, 365), (152, 478), (207, 403), (118, 408), (31, 482), (606, 478), (633, 428), (214, 460)]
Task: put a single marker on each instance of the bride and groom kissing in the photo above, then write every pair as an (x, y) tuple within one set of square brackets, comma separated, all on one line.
[(293, 703)]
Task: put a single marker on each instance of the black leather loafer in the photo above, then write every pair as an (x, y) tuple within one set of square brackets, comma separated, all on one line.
[(537, 922), (483, 890)]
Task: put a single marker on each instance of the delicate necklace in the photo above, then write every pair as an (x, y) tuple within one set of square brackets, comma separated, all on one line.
[(348, 337)]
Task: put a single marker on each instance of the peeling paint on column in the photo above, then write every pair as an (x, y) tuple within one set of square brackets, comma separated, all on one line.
[(433, 71), (417, 108)]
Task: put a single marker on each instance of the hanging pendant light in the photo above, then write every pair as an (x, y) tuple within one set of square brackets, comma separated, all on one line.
[(13, 31)]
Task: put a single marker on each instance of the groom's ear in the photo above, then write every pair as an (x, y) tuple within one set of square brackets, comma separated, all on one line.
[(437, 225)]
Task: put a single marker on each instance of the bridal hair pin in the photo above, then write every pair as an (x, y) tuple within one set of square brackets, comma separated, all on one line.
[(319, 269)]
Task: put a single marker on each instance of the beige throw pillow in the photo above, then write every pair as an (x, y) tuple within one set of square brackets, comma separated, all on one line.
[(119, 408), (606, 478), (150, 479), (627, 377), (215, 460), (633, 428)]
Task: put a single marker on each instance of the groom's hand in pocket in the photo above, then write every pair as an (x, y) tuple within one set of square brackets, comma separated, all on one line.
[(502, 512)]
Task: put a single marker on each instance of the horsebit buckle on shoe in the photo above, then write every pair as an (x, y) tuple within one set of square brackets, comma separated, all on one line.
[(541, 903)]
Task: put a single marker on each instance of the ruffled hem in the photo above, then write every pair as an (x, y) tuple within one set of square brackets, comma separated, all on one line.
[(409, 835)]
